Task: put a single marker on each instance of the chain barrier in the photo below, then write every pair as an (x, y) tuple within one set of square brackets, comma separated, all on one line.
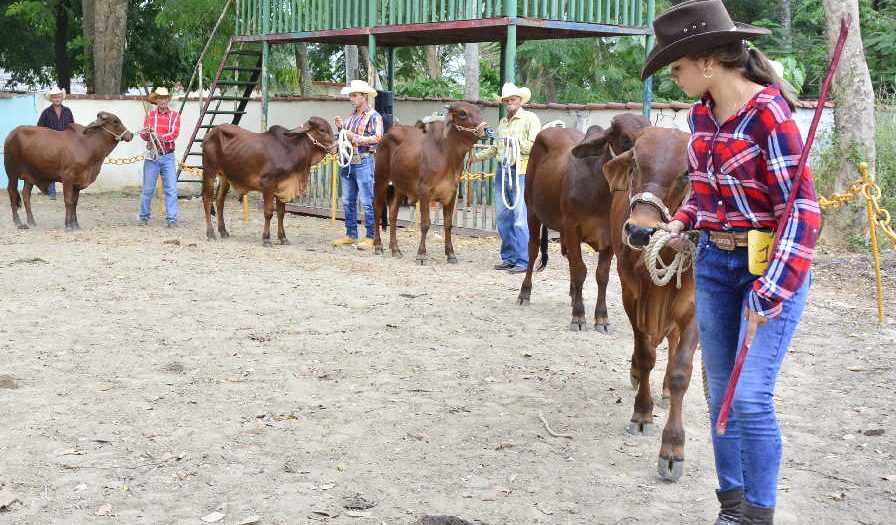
[(194, 170), (878, 217)]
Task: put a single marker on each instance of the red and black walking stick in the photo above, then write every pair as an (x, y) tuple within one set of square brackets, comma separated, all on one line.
[(722, 422)]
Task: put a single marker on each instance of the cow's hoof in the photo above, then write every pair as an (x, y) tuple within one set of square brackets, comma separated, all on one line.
[(22, 226), (670, 468), (640, 428), (267, 244), (224, 233), (284, 241), (421, 261), (211, 236), (577, 326), (32, 222), (397, 254), (378, 250), (72, 228), (603, 328), (452, 259), (522, 301)]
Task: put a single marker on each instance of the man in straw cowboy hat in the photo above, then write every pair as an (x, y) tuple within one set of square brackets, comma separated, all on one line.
[(364, 130), (57, 117), (516, 134), (743, 158), (160, 129)]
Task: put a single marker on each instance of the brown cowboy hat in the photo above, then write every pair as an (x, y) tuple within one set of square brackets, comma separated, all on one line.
[(692, 27)]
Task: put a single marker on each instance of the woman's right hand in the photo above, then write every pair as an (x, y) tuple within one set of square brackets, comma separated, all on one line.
[(679, 240)]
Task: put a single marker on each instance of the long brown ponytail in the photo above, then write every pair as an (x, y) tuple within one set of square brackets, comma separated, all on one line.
[(754, 65)]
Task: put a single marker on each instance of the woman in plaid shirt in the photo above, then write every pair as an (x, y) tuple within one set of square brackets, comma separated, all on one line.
[(742, 160)]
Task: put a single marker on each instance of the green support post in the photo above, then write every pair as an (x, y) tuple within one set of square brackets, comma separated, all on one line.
[(265, 62), (508, 49), (372, 73), (390, 71), (648, 46)]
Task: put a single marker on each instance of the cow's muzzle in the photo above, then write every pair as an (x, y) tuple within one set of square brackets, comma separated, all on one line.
[(637, 237)]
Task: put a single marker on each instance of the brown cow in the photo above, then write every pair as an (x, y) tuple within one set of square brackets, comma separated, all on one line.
[(73, 157), (648, 182), (277, 163), (570, 195), (424, 167)]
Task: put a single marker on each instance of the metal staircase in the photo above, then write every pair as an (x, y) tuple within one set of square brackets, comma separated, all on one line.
[(236, 79)]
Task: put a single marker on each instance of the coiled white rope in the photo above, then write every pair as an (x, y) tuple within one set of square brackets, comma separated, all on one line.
[(660, 272), (554, 124), (509, 181), (344, 149)]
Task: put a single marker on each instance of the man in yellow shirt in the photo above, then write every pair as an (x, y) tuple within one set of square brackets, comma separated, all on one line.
[(516, 133)]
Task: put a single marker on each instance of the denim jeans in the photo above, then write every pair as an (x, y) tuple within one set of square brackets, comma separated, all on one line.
[(151, 168), (51, 189), (357, 180), (748, 455), (513, 225)]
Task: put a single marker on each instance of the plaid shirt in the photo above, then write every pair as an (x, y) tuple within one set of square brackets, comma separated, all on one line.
[(166, 125), (741, 174), (369, 125)]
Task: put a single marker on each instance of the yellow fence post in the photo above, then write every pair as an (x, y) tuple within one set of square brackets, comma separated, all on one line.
[(334, 182), (875, 248)]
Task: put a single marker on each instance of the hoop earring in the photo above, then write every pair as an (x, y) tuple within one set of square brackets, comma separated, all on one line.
[(705, 74)]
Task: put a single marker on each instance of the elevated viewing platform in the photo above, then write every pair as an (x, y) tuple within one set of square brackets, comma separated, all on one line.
[(396, 23)]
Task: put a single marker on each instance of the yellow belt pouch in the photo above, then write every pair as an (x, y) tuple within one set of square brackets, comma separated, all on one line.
[(759, 248)]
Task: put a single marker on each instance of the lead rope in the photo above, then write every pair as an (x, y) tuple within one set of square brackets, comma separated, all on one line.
[(660, 272), (344, 148), (509, 182)]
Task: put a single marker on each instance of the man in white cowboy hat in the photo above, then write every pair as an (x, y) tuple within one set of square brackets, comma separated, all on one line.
[(160, 129), (516, 133), (57, 117), (364, 130)]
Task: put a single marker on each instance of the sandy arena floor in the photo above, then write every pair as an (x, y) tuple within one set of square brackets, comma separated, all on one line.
[(148, 376)]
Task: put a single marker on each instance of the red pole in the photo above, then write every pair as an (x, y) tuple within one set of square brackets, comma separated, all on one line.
[(722, 423)]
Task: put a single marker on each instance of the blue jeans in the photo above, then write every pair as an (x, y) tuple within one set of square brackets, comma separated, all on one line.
[(748, 456), (513, 225), (51, 189), (151, 168), (357, 180)]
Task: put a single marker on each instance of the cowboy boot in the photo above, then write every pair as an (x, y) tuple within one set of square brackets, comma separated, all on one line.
[(753, 515), (729, 502)]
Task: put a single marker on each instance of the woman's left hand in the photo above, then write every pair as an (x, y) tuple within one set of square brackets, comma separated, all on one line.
[(754, 321)]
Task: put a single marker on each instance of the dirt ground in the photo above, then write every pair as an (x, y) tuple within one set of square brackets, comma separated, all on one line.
[(148, 376)]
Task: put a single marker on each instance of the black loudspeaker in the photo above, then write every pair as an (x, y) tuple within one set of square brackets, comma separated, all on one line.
[(384, 105)]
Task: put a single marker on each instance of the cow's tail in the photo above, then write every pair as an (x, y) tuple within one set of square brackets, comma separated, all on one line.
[(18, 201), (543, 259)]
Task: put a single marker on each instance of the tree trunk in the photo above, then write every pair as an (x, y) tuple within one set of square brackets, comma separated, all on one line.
[(87, 23), (433, 64), (110, 25), (854, 111), (787, 24), (303, 64), (351, 64), (471, 71), (62, 11)]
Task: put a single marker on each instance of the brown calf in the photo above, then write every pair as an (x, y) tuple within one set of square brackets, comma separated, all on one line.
[(73, 157), (424, 167), (276, 163), (648, 182), (566, 191)]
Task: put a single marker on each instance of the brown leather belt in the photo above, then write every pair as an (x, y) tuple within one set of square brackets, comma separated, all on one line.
[(728, 241)]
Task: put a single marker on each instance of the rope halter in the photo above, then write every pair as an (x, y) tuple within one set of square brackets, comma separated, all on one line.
[(316, 142), (478, 131), (660, 272), (117, 136)]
